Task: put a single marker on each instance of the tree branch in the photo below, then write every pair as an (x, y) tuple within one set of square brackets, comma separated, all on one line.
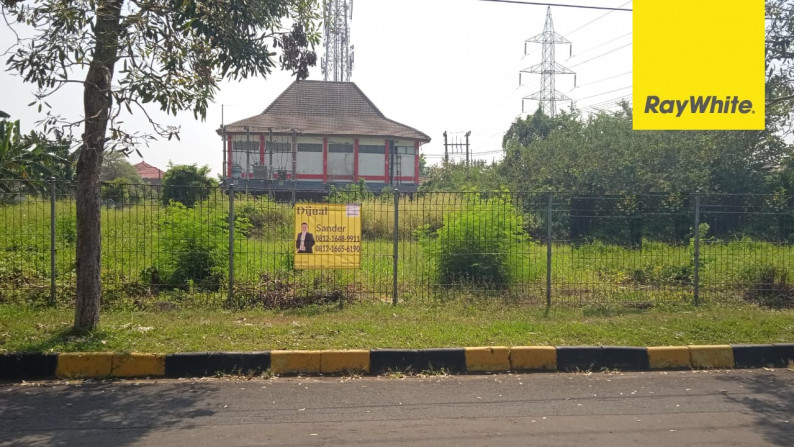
[(781, 99)]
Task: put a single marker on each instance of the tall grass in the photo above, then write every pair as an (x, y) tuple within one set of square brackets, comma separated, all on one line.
[(136, 237)]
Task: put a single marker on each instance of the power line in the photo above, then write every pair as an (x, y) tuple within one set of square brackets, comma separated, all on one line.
[(599, 45), (603, 79), (604, 93), (561, 5), (608, 103), (605, 104), (602, 54), (597, 18)]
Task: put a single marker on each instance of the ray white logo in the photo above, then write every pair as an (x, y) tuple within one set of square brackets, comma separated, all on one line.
[(699, 105)]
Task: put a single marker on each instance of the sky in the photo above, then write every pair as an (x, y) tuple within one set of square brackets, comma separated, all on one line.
[(435, 65)]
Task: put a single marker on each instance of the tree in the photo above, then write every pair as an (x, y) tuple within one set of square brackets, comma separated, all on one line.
[(452, 177), (603, 155), (524, 132), (187, 184), (115, 166), (133, 52), (780, 62), (28, 162)]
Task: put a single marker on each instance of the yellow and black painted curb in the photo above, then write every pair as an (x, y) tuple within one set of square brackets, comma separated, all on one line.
[(491, 359)]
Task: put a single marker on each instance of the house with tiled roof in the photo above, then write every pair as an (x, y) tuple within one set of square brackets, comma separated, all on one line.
[(150, 174), (317, 134)]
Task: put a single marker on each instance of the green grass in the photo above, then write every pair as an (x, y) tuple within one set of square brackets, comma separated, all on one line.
[(455, 323), (134, 240)]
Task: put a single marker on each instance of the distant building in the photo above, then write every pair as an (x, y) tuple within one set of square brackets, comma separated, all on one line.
[(150, 174), (318, 134)]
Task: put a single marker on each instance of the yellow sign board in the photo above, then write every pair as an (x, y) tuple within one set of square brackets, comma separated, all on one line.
[(698, 65), (328, 236)]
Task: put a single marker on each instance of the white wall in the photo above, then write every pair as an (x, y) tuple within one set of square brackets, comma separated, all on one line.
[(371, 163), (340, 163), (310, 162)]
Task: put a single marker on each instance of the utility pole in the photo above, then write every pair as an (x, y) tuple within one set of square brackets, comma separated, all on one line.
[(548, 96), (457, 146), (467, 148), (446, 152), (224, 168)]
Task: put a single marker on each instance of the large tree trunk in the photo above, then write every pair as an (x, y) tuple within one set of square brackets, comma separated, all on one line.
[(97, 101)]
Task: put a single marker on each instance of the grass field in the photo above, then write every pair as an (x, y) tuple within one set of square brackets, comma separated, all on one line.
[(457, 323), (601, 294), (141, 238)]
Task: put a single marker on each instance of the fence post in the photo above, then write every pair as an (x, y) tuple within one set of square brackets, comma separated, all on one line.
[(548, 251), (231, 244), (396, 241), (696, 255), (53, 249)]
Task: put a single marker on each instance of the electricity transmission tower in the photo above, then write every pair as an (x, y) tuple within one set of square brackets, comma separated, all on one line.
[(548, 96), (337, 64)]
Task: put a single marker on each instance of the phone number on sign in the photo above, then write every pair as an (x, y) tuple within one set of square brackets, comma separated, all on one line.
[(337, 249), (340, 238)]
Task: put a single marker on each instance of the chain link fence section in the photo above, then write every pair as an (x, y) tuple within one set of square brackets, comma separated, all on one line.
[(219, 247)]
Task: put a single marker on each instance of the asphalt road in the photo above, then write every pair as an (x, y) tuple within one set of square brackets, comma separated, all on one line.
[(725, 408)]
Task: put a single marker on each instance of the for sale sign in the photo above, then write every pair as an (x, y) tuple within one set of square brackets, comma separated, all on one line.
[(328, 236)]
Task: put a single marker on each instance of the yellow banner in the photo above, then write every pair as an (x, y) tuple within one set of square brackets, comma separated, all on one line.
[(328, 236), (698, 65)]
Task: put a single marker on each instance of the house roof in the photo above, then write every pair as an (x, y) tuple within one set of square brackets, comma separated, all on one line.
[(325, 108), (145, 170)]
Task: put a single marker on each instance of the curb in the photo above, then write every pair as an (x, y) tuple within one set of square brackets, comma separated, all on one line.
[(204, 364), (494, 359), (27, 366)]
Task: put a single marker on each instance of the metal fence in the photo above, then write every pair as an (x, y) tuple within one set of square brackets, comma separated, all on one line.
[(215, 246)]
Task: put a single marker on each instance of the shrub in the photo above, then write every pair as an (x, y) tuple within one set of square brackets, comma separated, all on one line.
[(292, 291), (656, 274), (121, 192), (264, 217), (351, 193), (474, 244), (767, 285), (187, 184), (66, 229), (195, 248)]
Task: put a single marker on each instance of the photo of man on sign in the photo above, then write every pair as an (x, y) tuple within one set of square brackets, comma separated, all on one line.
[(305, 240)]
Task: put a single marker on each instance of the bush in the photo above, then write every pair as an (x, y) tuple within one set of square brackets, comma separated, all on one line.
[(187, 184), (474, 244), (264, 217), (291, 291), (121, 192), (351, 193), (195, 248), (66, 229), (767, 285)]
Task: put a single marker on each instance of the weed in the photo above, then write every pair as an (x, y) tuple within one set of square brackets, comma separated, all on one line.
[(768, 286), (475, 243)]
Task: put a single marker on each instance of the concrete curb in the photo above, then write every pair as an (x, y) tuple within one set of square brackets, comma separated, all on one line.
[(599, 358), (30, 366), (27, 366), (203, 364)]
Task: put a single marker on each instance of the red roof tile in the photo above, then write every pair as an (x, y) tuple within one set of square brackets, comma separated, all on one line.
[(147, 171)]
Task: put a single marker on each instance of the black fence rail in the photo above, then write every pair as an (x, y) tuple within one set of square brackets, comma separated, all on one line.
[(217, 246)]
